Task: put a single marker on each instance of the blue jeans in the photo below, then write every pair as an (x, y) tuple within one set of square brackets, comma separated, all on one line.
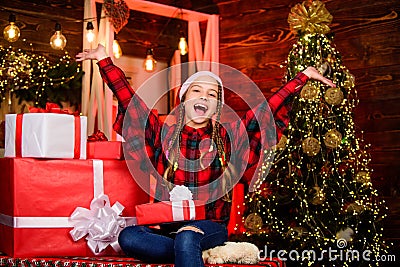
[(184, 250)]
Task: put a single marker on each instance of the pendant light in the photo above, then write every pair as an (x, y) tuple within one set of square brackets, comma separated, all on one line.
[(90, 34), (149, 63), (183, 47), (58, 40), (11, 32), (117, 51)]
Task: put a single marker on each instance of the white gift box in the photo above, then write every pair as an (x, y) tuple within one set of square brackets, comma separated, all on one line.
[(46, 135)]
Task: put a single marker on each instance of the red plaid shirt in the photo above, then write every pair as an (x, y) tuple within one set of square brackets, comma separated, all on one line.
[(144, 134)]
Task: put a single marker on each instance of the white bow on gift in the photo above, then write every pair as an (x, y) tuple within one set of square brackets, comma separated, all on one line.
[(179, 193), (101, 223), (181, 197)]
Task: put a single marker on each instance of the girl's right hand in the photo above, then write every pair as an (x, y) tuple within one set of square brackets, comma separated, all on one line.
[(99, 53)]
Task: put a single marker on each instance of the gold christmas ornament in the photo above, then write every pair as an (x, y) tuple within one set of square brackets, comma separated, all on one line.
[(350, 79), (318, 196), (346, 234), (325, 69), (298, 232), (363, 177), (334, 96), (309, 92), (253, 222), (311, 146), (310, 18), (332, 138), (282, 143), (354, 208)]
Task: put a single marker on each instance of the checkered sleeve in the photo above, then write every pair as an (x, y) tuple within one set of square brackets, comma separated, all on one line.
[(141, 126), (280, 102), (264, 123)]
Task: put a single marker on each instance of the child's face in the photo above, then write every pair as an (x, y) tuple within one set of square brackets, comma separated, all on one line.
[(201, 101)]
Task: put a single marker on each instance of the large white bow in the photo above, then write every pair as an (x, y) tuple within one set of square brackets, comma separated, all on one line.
[(101, 223)]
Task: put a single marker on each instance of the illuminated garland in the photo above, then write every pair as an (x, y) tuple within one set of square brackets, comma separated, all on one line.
[(20, 71), (32, 78), (318, 190)]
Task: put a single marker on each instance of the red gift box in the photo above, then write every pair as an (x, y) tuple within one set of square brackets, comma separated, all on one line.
[(104, 150), (167, 211), (38, 196)]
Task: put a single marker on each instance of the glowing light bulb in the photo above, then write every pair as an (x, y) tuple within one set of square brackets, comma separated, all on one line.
[(149, 63), (183, 47), (117, 51), (11, 32), (90, 34), (58, 40)]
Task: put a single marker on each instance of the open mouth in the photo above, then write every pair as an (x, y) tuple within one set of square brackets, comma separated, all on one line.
[(200, 109)]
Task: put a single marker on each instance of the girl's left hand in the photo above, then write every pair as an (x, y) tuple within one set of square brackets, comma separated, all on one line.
[(314, 74)]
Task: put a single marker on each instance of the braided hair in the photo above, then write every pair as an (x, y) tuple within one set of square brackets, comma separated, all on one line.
[(173, 149)]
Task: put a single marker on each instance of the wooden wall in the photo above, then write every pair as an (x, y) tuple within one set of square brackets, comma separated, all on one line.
[(255, 38)]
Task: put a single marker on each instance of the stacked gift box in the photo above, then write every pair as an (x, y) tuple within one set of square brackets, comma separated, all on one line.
[(55, 182), (52, 191), (63, 197)]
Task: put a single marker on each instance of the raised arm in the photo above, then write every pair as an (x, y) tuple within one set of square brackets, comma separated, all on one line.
[(262, 128), (281, 101), (142, 127), (114, 78)]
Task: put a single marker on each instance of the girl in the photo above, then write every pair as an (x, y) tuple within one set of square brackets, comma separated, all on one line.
[(201, 154)]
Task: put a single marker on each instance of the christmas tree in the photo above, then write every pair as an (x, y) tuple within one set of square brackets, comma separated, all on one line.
[(316, 195)]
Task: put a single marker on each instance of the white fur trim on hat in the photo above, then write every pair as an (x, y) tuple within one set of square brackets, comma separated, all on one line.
[(185, 86)]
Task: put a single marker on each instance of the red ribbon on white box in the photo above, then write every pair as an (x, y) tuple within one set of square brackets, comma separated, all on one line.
[(33, 135), (182, 208)]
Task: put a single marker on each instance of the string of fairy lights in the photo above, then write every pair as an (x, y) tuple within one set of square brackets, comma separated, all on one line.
[(314, 187), (326, 166), (330, 204), (20, 70)]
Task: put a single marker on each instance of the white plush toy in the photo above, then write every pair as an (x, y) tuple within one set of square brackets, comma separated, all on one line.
[(232, 252)]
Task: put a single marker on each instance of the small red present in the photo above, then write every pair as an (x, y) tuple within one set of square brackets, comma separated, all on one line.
[(104, 150), (170, 211), (98, 147)]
